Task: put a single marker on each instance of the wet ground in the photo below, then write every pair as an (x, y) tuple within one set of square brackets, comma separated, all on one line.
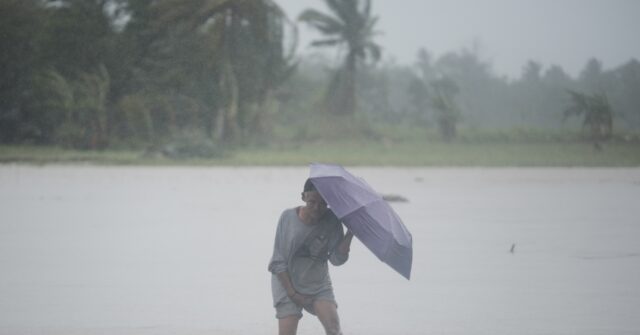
[(167, 250)]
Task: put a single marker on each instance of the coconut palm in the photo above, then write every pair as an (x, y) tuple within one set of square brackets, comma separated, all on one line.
[(247, 52), (351, 26), (444, 91)]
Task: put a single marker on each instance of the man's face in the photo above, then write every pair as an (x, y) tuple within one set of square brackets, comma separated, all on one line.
[(316, 206)]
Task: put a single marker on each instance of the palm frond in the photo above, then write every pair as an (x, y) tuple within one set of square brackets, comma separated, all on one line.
[(374, 50), (579, 106), (370, 25), (172, 12), (344, 9), (327, 42), (323, 22), (351, 26), (366, 11)]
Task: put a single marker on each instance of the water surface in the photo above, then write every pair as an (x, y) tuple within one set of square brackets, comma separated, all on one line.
[(167, 250)]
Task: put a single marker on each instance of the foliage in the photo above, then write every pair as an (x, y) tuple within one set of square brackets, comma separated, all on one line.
[(72, 113), (20, 28), (244, 60), (352, 27), (104, 74), (471, 149), (92, 70), (597, 113), (52, 98)]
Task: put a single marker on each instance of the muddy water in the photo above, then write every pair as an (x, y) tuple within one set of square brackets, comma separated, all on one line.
[(165, 250)]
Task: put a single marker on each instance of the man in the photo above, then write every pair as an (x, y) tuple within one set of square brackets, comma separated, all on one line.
[(306, 238)]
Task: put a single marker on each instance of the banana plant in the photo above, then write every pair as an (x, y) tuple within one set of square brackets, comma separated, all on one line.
[(596, 112)]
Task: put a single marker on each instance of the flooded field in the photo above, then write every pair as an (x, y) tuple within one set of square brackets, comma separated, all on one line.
[(169, 250)]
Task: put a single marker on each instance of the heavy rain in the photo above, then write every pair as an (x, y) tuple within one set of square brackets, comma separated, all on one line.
[(151, 150)]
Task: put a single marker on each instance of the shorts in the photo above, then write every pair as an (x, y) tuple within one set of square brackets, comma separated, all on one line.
[(287, 307)]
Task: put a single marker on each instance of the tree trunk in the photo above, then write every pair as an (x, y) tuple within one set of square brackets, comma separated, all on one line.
[(268, 105), (349, 104), (227, 120), (341, 94)]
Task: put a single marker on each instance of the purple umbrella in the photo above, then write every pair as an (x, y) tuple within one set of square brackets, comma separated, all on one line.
[(366, 214)]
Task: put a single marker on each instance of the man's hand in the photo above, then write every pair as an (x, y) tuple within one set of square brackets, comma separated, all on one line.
[(301, 299), (345, 245)]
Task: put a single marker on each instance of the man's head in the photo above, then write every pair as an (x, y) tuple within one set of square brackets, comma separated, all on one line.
[(315, 204)]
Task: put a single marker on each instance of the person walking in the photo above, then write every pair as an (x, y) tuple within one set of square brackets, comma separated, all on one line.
[(307, 238)]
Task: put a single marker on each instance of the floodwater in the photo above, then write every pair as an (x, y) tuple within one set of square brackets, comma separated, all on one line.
[(171, 250)]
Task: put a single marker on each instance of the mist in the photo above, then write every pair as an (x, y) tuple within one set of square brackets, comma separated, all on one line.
[(149, 147), (507, 34)]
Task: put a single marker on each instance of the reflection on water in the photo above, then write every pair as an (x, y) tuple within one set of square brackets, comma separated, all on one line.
[(131, 250)]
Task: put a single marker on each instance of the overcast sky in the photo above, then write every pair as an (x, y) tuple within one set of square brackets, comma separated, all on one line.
[(508, 32)]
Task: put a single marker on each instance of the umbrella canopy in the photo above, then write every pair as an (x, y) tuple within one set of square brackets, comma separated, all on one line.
[(366, 214)]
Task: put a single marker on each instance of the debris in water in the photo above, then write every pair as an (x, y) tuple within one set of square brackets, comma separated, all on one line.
[(394, 198)]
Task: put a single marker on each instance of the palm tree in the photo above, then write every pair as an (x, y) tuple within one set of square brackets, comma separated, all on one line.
[(248, 53), (598, 116), (350, 27), (444, 91)]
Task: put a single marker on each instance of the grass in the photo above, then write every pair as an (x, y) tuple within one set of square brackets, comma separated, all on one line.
[(410, 152), (50, 154), (443, 154)]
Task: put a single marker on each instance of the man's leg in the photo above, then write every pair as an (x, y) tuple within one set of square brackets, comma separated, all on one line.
[(288, 325), (328, 314)]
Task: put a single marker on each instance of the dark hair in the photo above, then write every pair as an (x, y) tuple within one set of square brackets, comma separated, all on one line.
[(309, 187)]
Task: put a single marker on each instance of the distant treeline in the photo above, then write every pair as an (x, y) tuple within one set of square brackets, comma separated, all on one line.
[(538, 98), (137, 73)]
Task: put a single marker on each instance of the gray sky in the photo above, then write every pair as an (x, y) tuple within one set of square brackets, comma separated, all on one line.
[(508, 32)]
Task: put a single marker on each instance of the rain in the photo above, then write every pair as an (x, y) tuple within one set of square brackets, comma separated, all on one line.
[(148, 150)]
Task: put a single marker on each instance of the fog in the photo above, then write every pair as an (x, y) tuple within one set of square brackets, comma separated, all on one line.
[(507, 33), (159, 247), (152, 77)]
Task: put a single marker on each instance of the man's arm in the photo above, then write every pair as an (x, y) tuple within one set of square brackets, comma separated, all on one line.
[(285, 280), (278, 262), (341, 254)]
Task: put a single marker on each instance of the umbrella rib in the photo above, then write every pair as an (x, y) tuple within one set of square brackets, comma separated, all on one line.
[(363, 186), (359, 208)]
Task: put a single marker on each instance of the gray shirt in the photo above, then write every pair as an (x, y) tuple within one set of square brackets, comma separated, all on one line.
[(303, 250)]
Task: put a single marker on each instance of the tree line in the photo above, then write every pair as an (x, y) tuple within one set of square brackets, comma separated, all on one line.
[(107, 73), (90, 73), (460, 88)]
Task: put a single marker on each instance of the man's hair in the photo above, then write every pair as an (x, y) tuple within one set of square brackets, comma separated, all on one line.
[(309, 187)]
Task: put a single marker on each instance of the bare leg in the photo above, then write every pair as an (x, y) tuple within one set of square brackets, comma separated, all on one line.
[(288, 325), (328, 315)]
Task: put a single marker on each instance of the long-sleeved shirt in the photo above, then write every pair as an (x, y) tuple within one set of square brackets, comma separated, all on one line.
[(303, 250)]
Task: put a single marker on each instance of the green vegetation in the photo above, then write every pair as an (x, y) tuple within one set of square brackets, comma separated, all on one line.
[(351, 27), (218, 82), (598, 116), (91, 74), (443, 154), (397, 146)]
